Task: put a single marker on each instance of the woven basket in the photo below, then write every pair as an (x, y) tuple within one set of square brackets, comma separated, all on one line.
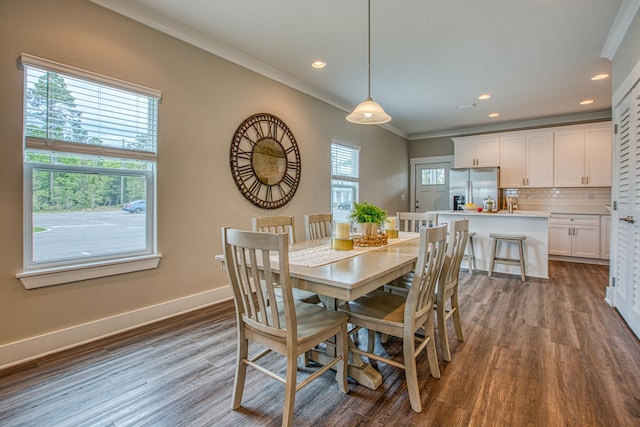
[(368, 241)]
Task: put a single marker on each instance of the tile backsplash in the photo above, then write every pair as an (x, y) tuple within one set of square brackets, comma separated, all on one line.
[(561, 200)]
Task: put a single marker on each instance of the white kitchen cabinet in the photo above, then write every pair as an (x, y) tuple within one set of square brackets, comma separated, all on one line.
[(526, 160), (574, 235), (583, 156), (605, 236), (476, 152)]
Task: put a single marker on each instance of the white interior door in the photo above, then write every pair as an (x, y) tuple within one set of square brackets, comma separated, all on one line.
[(431, 186), (625, 218)]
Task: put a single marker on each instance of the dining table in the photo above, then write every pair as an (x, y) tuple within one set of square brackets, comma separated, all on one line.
[(338, 276)]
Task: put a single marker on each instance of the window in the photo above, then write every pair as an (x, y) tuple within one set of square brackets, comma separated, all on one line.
[(433, 177), (89, 174), (345, 176)]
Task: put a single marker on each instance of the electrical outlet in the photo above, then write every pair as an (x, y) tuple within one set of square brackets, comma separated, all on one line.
[(402, 197)]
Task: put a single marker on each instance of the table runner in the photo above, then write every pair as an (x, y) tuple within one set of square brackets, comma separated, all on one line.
[(323, 254)]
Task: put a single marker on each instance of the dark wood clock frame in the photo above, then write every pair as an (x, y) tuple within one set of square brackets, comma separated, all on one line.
[(265, 161)]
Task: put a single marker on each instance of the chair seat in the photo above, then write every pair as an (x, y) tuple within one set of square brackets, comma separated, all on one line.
[(384, 309), (300, 295), (400, 286), (312, 320)]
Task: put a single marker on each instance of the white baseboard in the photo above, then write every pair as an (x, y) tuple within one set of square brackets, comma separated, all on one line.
[(32, 348), (579, 260)]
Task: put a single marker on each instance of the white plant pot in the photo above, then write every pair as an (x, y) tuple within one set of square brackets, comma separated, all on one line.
[(367, 228)]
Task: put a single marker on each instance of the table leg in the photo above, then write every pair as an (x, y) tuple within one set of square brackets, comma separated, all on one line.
[(362, 372)]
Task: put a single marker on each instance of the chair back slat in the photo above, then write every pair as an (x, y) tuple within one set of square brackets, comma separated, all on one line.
[(256, 264), (431, 255), (276, 224), (456, 244), (318, 226), (413, 221)]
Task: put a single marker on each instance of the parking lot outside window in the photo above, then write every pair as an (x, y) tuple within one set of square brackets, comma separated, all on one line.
[(90, 146)]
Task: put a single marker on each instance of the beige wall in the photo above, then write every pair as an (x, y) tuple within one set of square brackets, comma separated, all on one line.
[(627, 55), (205, 98), (431, 147)]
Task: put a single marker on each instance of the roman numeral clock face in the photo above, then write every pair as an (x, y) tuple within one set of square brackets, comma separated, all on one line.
[(265, 161)]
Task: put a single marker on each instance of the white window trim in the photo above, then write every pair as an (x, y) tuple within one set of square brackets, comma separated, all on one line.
[(46, 64), (49, 275), (34, 279)]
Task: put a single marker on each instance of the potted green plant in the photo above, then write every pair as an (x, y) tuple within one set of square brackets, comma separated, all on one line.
[(368, 217)]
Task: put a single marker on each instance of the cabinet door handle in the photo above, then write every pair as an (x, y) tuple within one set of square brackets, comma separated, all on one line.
[(569, 230), (523, 182)]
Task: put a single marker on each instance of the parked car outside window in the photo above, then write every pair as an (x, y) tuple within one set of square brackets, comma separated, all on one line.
[(344, 205), (136, 206)]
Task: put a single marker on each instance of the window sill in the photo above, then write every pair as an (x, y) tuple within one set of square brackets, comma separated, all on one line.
[(58, 275)]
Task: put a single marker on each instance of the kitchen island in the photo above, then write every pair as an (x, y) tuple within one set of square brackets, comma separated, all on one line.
[(533, 224)]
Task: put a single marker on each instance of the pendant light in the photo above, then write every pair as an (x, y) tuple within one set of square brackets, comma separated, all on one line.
[(369, 112)]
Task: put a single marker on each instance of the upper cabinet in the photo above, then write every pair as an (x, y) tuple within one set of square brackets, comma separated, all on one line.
[(563, 156), (476, 152), (583, 156), (526, 159)]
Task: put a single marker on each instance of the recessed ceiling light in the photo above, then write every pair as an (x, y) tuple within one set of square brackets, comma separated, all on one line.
[(494, 114), (600, 76), (318, 64), (485, 96), (587, 102)]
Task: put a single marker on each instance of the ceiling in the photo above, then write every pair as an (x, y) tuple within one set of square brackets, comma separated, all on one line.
[(430, 59)]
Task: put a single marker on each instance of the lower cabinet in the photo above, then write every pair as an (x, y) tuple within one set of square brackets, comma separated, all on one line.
[(574, 235), (605, 236)]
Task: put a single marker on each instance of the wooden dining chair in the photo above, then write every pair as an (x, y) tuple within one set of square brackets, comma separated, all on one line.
[(413, 221), (282, 325), (284, 224), (447, 289), (318, 226), (276, 224), (401, 317), (410, 221)]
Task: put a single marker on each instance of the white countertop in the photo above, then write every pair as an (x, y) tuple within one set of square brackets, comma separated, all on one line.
[(515, 214)]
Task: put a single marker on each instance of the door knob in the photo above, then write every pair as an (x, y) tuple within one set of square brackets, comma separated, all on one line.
[(629, 219)]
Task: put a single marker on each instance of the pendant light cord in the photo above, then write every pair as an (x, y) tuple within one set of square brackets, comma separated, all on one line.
[(369, 48)]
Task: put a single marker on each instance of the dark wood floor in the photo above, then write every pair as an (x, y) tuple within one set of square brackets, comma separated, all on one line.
[(540, 353)]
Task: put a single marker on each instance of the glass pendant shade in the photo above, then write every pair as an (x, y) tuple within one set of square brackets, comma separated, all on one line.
[(368, 112)]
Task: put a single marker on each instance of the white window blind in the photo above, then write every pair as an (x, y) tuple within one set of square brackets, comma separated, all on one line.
[(75, 111), (345, 162)]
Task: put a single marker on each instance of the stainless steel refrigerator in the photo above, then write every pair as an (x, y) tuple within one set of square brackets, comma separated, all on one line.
[(474, 185)]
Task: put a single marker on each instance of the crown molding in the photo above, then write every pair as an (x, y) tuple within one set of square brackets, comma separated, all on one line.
[(597, 116), (621, 24), (188, 35)]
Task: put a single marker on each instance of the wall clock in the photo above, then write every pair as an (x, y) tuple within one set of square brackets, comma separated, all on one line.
[(265, 161)]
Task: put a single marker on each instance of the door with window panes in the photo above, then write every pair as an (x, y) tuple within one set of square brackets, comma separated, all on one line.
[(432, 188)]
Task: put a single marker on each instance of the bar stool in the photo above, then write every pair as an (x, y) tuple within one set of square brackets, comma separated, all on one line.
[(471, 253), (509, 238)]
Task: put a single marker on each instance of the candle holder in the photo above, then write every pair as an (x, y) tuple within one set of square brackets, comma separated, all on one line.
[(342, 244), (390, 228)]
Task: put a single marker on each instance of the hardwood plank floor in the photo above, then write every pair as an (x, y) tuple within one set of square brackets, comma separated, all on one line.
[(539, 353)]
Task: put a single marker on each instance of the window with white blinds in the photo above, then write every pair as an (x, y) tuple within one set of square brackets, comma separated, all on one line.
[(345, 162), (345, 177), (90, 146)]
